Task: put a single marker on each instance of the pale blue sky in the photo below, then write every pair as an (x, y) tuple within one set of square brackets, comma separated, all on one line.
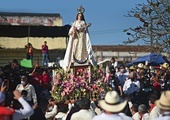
[(106, 16)]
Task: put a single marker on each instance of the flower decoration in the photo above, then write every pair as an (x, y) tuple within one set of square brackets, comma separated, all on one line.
[(85, 82)]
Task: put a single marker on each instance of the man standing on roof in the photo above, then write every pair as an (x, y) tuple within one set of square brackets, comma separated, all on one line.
[(45, 54)]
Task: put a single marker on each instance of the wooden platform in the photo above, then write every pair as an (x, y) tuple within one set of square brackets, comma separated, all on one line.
[(75, 66)]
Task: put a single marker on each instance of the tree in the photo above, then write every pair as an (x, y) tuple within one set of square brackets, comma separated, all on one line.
[(155, 24)]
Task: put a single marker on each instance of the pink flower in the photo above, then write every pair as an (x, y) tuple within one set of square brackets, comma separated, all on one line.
[(78, 84), (94, 86), (66, 90), (100, 90), (62, 93)]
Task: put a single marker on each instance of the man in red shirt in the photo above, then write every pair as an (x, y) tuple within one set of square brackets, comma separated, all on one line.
[(45, 55), (45, 77)]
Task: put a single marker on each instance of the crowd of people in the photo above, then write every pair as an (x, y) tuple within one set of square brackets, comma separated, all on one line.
[(138, 93)]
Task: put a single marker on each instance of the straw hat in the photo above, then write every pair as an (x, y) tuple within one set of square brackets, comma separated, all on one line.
[(165, 66), (112, 102), (140, 65), (164, 101), (168, 69), (132, 67)]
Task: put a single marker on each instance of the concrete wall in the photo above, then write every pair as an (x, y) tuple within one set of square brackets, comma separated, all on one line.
[(53, 43)]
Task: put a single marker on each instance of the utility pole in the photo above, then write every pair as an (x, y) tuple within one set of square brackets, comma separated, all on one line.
[(28, 34)]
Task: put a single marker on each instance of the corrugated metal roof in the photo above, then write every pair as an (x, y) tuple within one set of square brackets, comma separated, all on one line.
[(28, 14)]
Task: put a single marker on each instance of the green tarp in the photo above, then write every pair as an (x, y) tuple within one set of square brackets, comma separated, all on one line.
[(26, 63)]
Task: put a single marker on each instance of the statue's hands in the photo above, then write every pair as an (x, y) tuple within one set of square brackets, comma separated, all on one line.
[(74, 29), (88, 25)]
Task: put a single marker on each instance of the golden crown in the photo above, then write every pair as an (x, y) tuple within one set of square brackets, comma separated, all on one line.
[(80, 9)]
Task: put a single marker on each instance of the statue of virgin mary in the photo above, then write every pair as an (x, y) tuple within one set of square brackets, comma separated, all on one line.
[(79, 47)]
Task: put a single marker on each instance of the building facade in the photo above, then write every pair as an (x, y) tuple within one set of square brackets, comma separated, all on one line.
[(122, 53), (29, 21)]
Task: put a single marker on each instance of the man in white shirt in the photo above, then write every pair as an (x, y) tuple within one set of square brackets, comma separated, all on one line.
[(142, 113), (154, 110), (49, 115), (122, 75), (31, 94), (134, 111), (27, 111), (85, 113), (131, 85)]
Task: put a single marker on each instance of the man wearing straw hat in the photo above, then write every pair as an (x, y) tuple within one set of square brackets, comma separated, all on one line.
[(164, 104), (112, 106)]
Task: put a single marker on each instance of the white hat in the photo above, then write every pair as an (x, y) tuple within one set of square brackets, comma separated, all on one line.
[(140, 65), (132, 67), (165, 66), (112, 102), (2, 97), (164, 101)]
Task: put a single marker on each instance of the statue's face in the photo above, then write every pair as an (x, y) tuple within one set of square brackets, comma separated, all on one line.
[(80, 17)]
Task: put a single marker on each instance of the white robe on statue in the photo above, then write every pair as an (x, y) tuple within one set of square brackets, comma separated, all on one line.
[(79, 45)]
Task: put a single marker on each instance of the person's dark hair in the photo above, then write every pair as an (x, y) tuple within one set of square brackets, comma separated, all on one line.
[(29, 44), (15, 61), (133, 75), (135, 107), (77, 104), (26, 77), (85, 103), (45, 42), (112, 58), (81, 18), (153, 97), (24, 93), (63, 108)]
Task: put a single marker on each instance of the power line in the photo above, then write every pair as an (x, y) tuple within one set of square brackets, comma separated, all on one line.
[(106, 31)]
